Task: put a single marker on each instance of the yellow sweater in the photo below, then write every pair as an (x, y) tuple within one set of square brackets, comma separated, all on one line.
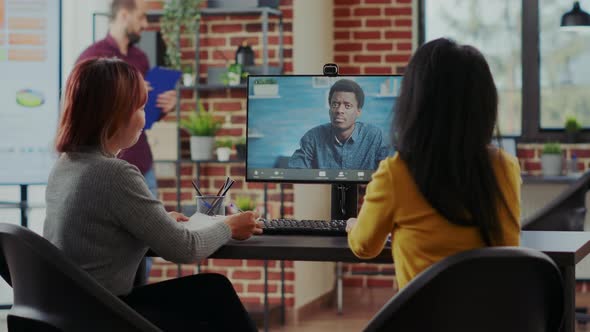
[(420, 235)]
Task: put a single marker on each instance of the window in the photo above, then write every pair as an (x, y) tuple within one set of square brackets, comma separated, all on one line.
[(552, 83), (494, 28), (564, 71)]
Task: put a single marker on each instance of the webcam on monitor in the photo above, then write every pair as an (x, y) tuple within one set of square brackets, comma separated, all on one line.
[(331, 69)]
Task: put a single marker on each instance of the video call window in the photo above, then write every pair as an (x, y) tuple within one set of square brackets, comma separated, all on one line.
[(296, 133)]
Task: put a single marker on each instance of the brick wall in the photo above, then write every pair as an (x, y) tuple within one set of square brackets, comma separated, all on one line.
[(220, 37), (529, 156), (372, 37)]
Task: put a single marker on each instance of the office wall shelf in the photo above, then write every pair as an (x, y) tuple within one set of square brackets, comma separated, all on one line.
[(266, 13)]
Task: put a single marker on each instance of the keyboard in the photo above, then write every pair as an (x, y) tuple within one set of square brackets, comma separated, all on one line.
[(304, 227)]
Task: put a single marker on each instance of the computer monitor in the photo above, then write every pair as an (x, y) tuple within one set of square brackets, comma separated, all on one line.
[(297, 135)]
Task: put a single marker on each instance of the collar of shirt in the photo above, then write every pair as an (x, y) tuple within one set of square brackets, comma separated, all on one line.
[(111, 42), (353, 137)]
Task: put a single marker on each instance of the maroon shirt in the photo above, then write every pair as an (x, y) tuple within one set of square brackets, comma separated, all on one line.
[(140, 154)]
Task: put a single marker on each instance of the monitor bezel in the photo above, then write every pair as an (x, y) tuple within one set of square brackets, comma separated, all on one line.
[(329, 181)]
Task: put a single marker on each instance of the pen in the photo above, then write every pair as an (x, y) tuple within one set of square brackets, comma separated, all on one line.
[(237, 208), (228, 183), (240, 210), (196, 188)]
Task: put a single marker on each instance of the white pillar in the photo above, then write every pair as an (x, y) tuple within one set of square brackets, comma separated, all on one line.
[(313, 46)]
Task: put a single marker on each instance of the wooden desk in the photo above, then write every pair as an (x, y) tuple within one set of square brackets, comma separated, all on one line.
[(565, 248)]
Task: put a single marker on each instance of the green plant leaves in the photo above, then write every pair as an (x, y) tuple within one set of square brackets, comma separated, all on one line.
[(201, 124), (178, 14)]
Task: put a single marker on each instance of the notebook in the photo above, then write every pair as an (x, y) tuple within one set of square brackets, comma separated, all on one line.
[(161, 80)]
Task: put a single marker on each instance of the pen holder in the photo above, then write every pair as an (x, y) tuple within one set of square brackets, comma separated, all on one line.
[(211, 205)]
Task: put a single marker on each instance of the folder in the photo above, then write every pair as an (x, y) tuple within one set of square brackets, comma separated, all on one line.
[(161, 80)]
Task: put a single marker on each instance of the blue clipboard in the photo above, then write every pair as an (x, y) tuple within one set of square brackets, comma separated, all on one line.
[(161, 80)]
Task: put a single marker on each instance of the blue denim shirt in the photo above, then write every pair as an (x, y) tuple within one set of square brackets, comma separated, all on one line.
[(320, 149)]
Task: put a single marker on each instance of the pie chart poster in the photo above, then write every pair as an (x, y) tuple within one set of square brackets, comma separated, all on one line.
[(29, 89)]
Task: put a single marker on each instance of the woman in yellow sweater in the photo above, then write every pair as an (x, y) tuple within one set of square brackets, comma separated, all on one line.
[(447, 189)]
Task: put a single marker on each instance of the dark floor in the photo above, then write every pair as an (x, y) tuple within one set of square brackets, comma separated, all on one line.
[(360, 304)]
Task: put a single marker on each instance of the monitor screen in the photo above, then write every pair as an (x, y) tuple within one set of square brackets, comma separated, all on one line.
[(318, 129)]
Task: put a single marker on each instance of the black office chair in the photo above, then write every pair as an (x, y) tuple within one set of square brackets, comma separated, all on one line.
[(565, 213), (492, 289), (51, 293)]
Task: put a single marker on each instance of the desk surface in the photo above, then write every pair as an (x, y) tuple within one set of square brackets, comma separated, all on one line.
[(565, 248)]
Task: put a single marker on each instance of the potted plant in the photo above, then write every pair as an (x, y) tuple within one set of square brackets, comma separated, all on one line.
[(572, 127), (178, 14), (188, 78), (266, 87), (202, 127), (223, 149), (241, 148), (233, 75), (551, 159), (246, 202)]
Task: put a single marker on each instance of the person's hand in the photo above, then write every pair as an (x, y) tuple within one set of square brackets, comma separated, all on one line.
[(350, 224), (167, 101), (178, 216), (244, 225)]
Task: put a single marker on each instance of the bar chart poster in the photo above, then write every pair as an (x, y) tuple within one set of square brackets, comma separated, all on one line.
[(29, 89)]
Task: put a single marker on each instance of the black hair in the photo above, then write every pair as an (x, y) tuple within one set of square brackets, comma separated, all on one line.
[(117, 5), (443, 124), (345, 85)]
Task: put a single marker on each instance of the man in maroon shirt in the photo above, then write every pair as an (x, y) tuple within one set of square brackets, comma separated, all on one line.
[(128, 20)]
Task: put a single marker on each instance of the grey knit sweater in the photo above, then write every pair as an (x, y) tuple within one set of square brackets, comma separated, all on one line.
[(101, 214)]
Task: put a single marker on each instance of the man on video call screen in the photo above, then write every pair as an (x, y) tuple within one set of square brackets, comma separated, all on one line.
[(344, 143), (320, 122)]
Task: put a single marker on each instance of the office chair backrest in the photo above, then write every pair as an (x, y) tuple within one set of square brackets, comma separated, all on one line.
[(486, 290), (566, 212), (51, 293)]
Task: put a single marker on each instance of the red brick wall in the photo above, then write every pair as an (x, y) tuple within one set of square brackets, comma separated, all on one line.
[(529, 156), (372, 37), (220, 38)]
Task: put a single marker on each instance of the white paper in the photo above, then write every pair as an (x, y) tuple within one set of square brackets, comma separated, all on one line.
[(198, 221)]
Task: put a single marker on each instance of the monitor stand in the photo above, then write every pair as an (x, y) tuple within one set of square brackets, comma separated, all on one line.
[(344, 201), (344, 206)]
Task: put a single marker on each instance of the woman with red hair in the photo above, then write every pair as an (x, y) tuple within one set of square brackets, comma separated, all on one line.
[(101, 214)]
